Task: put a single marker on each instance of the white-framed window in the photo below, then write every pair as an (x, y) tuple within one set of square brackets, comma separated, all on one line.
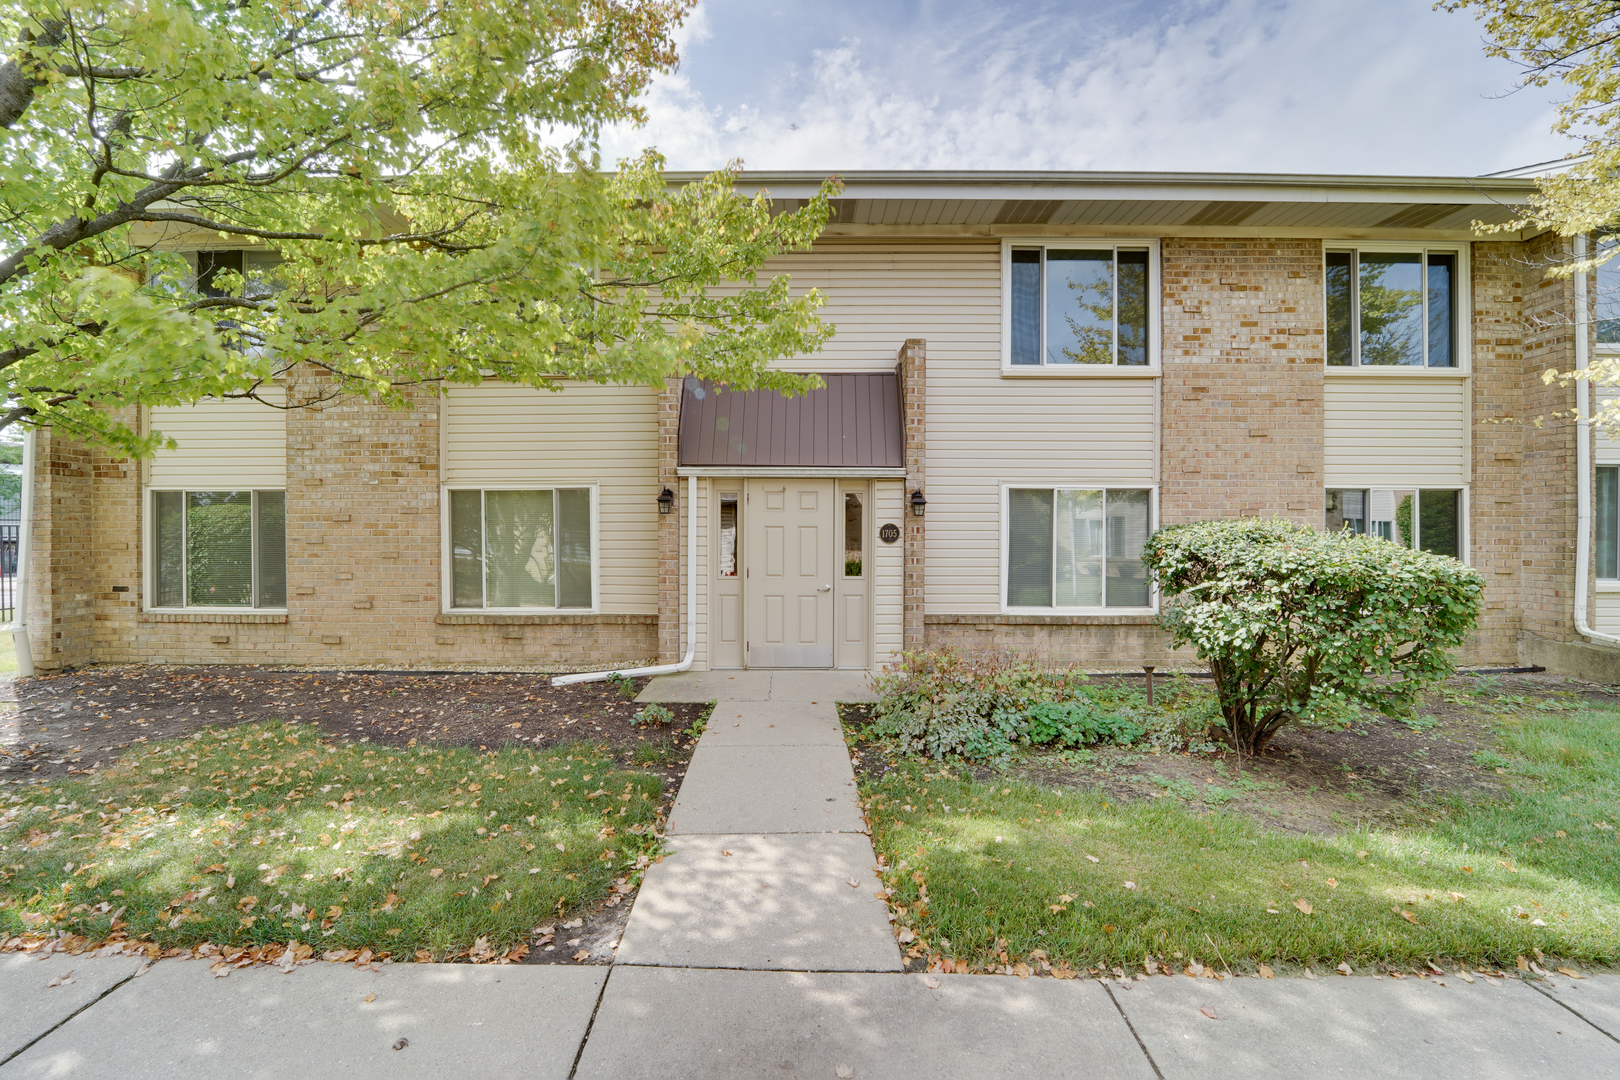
[(214, 549), (1397, 307), (1433, 519), (1606, 522), (1075, 549), (1077, 307), (521, 548)]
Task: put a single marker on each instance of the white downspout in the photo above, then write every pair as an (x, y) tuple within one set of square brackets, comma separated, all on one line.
[(691, 610), (1583, 460), (25, 552)]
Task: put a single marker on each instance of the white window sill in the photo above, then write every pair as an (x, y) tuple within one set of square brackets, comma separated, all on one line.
[(1395, 371), (1078, 371), (507, 612), (1084, 612), (222, 610)]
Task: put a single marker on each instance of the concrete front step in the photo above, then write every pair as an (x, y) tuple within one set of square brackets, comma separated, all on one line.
[(779, 902)]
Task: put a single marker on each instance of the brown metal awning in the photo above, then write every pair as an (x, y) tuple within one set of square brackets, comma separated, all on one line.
[(851, 423)]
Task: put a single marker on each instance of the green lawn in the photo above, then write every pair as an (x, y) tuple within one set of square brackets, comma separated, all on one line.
[(987, 874), (265, 832)]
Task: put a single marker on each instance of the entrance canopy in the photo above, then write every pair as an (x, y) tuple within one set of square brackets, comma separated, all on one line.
[(853, 423)]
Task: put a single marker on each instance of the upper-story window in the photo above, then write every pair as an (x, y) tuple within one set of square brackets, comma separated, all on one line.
[(1605, 289), (1393, 308), (1079, 305)]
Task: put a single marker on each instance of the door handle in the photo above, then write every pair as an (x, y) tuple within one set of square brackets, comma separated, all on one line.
[(825, 588)]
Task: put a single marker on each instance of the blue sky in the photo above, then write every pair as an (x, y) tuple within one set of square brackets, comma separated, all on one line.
[(1370, 86)]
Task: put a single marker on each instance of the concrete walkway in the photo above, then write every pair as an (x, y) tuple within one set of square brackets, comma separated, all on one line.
[(769, 864), (749, 953)]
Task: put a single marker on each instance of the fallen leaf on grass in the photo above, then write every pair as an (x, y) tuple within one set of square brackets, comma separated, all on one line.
[(1021, 970), (905, 935), (436, 871), (1408, 916), (1344, 969), (1093, 858), (1524, 965), (1304, 907), (1333, 883), (1266, 972), (1208, 1010), (61, 980), (1466, 976)]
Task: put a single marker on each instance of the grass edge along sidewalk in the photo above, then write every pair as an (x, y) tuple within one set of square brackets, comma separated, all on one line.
[(988, 876), (251, 837)]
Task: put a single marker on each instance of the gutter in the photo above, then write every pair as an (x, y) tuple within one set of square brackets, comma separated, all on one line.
[(1583, 460), (25, 551), (691, 611)]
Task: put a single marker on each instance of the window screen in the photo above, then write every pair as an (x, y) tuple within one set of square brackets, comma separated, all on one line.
[(1077, 548), (521, 549)]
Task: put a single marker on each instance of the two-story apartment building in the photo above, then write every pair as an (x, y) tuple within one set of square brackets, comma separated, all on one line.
[(1032, 372)]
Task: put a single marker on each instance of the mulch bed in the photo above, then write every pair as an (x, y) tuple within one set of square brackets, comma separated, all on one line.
[(1311, 780), (69, 724)]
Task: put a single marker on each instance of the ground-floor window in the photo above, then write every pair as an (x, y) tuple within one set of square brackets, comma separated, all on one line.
[(218, 549), (1077, 548), (1606, 509), (1429, 519), (521, 549)]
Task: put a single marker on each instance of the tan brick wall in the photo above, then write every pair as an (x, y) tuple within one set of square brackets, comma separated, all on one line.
[(1241, 429), (363, 543), (1547, 474), (1498, 388)]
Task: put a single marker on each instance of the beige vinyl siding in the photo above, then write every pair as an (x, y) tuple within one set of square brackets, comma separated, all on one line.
[(227, 445), (880, 294), (1395, 431), (983, 429), (1606, 612), (888, 573), (582, 434), (1607, 441)]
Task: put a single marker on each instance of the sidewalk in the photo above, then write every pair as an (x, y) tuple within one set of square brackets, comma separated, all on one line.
[(749, 954)]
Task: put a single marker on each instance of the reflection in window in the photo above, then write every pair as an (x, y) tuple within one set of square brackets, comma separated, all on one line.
[(521, 549), (219, 549), (1607, 510), (1079, 306), (728, 536), (1073, 548), (1428, 519), (1605, 289), (852, 534), (1391, 309)]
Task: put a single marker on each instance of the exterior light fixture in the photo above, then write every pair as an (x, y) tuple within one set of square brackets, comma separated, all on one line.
[(666, 501), (917, 503)]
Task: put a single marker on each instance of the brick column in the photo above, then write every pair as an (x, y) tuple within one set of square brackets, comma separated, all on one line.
[(1243, 379), (914, 415), (1546, 597), (61, 615), (669, 525)]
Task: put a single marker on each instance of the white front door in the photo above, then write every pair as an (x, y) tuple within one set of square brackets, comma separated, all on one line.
[(789, 565)]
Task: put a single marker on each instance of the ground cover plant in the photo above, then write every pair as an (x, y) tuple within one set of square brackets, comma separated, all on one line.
[(1493, 839), (1286, 616), (266, 833)]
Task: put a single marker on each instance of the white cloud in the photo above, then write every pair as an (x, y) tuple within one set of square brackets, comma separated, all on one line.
[(1233, 85)]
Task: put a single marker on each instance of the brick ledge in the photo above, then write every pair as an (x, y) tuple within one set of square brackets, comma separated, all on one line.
[(545, 620), (238, 618), (1041, 620)]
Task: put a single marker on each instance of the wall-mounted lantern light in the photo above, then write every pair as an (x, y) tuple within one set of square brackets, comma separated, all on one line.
[(666, 501), (917, 503)]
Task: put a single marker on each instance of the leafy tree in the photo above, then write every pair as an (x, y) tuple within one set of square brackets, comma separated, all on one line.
[(414, 184), (1288, 618)]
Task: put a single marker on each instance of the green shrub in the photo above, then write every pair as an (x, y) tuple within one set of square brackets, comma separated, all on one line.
[(941, 703), (1286, 616), (1077, 723), (654, 714)]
